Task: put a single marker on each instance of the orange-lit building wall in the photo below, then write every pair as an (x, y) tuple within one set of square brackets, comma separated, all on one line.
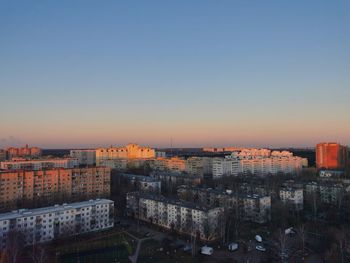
[(331, 156), (52, 185)]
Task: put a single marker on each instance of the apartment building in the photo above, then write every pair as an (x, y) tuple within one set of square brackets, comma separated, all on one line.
[(117, 164), (40, 164), (196, 166), (252, 207), (49, 223), (182, 217), (199, 166), (259, 162), (130, 151), (331, 156), (256, 208), (220, 150), (224, 167), (294, 197), (173, 164), (85, 157), (326, 192), (144, 184), (2, 155), (31, 152), (30, 187), (171, 181)]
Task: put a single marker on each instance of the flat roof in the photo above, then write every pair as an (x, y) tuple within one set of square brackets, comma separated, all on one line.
[(173, 201), (51, 209), (143, 178)]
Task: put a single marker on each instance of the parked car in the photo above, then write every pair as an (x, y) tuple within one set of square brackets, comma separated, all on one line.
[(207, 250), (233, 246), (260, 248), (289, 231), (258, 238), (187, 248)]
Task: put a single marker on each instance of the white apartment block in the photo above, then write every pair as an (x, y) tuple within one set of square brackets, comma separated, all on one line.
[(85, 157), (45, 224), (259, 162), (293, 197), (39, 164), (182, 217), (222, 167)]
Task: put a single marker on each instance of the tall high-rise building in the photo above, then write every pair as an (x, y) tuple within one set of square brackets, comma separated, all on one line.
[(331, 156)]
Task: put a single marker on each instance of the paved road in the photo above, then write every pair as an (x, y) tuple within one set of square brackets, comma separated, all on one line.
[(133, 258)]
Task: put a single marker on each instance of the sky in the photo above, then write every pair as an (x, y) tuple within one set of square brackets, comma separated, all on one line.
[(204, 73)]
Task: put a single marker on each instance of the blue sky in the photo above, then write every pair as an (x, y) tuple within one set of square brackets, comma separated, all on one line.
[(254, 73)]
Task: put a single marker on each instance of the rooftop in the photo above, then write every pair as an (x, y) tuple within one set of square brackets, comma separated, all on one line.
[(173, 201), (51, 209)]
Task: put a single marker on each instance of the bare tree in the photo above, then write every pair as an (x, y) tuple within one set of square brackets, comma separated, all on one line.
[(282, 242), (301, 231), (314, 200), (39, 255), (339, 236), (15, 243)]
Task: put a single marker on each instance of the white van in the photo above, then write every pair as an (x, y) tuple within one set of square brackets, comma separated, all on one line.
[(207, 250)]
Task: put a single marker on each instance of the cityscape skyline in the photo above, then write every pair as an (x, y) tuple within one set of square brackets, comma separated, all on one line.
[(262, 74)]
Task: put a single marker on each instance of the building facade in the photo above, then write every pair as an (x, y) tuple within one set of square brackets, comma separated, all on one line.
[(28, 152), (85, 157), (259, 162), (328, 193), (2, 155), (39, 164), (251, 207), (182, 217), (144, 184), (293, 197), (332, 156), (130, 151), (31, 187), (49, 223)]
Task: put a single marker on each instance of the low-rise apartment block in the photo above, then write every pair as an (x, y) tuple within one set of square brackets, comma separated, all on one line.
[(327, 192), (251, 207), (48, 223), (182, 217), (293, 197), (144, 184)]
